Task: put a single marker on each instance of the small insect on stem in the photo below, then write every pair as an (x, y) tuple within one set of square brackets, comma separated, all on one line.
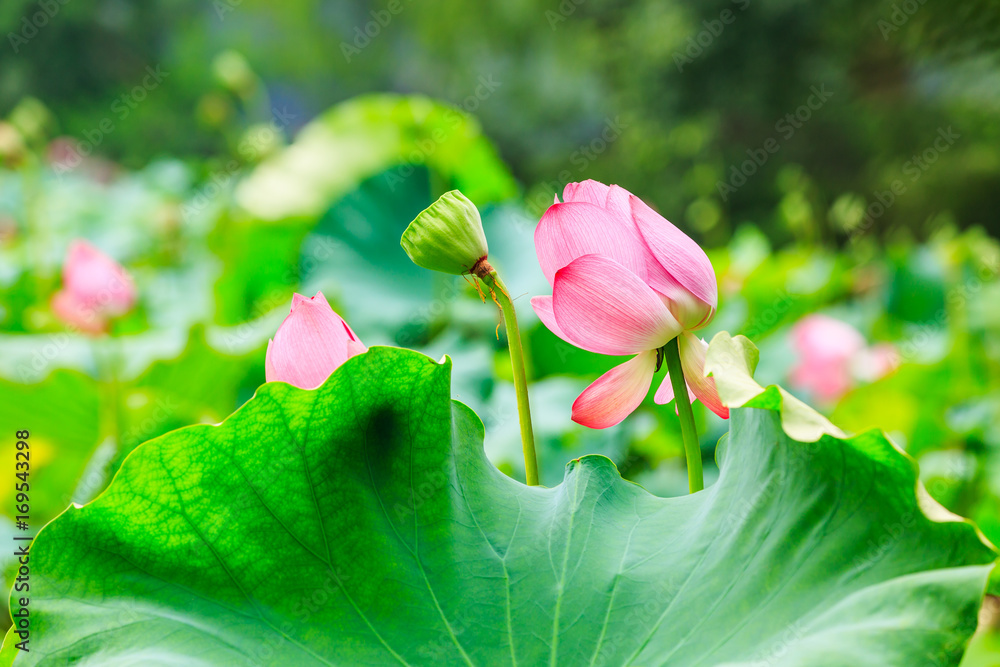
[(660, 354)]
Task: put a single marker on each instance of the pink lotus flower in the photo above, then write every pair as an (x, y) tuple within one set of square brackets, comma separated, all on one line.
[(833, 355), (310, 344), (624, 281), (95, 289)]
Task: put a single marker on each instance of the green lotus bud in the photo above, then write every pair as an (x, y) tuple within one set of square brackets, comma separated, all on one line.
[(448, 237)]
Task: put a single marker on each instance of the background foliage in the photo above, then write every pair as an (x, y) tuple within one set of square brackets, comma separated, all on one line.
[(232, 152)]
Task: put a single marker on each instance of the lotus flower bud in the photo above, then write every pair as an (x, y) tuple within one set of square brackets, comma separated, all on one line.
[(447, 236), (833, 356), (310, 344), (95, 289)]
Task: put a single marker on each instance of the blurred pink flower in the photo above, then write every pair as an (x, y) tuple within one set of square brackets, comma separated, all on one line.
[(624, 281), (95, 289), (875, 362), (310, 344), (64, 155), (833, 355)]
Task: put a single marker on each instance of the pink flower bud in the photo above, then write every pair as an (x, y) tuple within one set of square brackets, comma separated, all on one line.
[(310, 344), (95, 289), (833, 356)]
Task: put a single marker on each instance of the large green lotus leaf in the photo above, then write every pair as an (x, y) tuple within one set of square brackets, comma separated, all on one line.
[(361, 524), (363, 137)]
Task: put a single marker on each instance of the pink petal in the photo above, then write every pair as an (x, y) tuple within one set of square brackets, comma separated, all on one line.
[(665, 393), (270, 372), (823, 338), (97, 281), (618, 203), (310, 344), (590, 191), (827, 350), (355, 347), (675, 259), (607, 309), (875, 362), (689, 310), (543, 308), (571, 230), (353, 342), (692, 351), (616, 394), (71, 311), (827, 380)]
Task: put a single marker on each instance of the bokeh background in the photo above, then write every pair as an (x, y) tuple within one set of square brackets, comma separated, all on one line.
[(840, 161)]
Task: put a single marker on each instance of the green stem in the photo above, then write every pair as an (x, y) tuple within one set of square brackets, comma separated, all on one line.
[(108, 360), (502, 297), (692, 451)]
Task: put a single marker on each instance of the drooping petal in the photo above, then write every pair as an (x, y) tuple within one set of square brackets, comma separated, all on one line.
[(543, 308), (692, 351), (96, 281), (573, 229), (589, 190), (674, 258), (310, 344), (665, 392), (607, 309), (616, 394)]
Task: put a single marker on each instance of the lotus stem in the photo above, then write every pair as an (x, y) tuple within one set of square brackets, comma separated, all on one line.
[(689, 433), (498, 290)]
